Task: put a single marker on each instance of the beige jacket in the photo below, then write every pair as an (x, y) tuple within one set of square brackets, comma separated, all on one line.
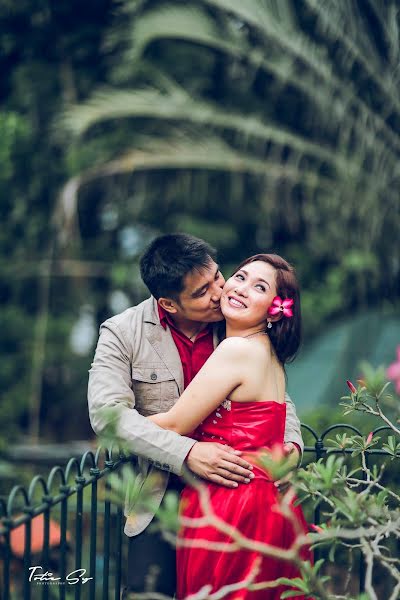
[(137, 368)]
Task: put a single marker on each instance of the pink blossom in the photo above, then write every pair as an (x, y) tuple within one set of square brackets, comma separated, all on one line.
[(351, 387), (277, 453), (369, 438), (393, 372), (316, 528), (284, 306)]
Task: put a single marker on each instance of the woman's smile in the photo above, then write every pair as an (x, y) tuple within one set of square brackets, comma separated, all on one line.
[(247, 295), (235, 302)]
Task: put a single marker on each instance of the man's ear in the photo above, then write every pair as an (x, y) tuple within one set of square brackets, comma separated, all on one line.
[(168, 304)]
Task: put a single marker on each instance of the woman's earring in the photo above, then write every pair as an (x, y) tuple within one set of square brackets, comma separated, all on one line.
[(269, 326)]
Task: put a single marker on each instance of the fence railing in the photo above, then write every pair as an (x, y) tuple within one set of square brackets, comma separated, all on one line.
[(62, 537)]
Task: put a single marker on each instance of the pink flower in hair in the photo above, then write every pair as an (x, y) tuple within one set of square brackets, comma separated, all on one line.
[(284, 306)]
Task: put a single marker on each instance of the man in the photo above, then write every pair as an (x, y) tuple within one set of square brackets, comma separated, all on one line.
[(144, 359)]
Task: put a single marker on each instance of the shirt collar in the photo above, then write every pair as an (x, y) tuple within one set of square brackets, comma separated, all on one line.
[(164, 317)]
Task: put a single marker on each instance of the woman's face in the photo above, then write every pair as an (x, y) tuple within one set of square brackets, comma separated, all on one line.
[(248, 294)]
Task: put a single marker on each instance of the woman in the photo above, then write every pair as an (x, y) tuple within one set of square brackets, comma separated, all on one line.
[(237, 398)]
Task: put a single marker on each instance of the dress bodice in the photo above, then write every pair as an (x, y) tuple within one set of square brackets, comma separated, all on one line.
[(246, 426)]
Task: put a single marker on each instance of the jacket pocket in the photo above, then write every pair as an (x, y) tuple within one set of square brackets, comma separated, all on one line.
[(154, 389)]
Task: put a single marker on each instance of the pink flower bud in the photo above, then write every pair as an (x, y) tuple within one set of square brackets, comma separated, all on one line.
[(351, 387), (369, 438), (316, 528)]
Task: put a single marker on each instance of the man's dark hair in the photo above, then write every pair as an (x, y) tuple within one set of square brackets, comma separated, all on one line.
[(169, 258)]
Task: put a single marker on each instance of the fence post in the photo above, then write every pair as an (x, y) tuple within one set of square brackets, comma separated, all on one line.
[(319, 451)]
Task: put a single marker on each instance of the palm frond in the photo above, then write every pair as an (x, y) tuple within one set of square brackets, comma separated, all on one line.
[(192, 25), (346, 162), (350, 113), (177, 106), (182, 153), (318, 71)]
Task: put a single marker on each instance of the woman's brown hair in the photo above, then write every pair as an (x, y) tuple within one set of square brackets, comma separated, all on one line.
[(285, 334)]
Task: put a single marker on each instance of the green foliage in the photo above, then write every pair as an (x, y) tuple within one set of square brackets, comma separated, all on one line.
[(392, 447), (42, 68), (276, 463), (259, 126), (310, 573), (357, 442), (266, 105), (14, 130), (370, 392), (360, 506)]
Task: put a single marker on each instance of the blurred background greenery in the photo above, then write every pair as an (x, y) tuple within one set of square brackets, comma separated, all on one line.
[(264, 125)]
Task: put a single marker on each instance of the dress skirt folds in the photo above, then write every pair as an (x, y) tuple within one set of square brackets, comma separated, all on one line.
[(252, 509)]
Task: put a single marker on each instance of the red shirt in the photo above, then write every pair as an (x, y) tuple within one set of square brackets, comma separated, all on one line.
[(194, 354)]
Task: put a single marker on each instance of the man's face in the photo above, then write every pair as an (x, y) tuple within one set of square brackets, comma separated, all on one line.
[(199, 300)]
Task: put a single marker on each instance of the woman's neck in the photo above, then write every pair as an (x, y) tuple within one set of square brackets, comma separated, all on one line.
[(233, 330)]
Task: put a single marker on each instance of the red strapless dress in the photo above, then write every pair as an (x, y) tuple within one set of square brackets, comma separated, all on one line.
[(250, 508)]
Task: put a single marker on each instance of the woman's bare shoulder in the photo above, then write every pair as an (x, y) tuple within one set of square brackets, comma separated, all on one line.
[(239, 347), (233, 346)]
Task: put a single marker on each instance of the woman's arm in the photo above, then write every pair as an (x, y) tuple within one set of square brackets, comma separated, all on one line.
[(220, 375)]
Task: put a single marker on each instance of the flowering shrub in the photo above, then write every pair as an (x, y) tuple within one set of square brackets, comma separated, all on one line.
[(360, 513)]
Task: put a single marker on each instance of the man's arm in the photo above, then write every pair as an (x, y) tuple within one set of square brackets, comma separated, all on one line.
[(208, 389), (112, 401), (292, 427)]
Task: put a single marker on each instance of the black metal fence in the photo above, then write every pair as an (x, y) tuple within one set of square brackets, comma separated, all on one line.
[(77, 542), (62, 537)]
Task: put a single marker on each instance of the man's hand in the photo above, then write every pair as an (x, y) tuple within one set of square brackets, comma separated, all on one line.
[(219, 464)]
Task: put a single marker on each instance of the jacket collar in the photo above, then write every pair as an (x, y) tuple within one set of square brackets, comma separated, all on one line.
[(150, 312)]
